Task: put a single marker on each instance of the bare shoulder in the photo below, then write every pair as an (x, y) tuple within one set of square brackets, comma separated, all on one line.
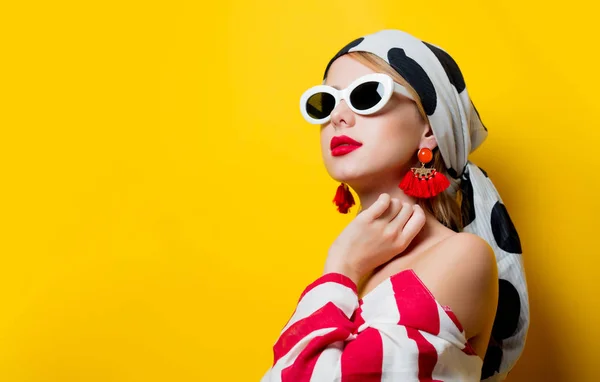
[(464, 256), (471, 253), (461, 272)]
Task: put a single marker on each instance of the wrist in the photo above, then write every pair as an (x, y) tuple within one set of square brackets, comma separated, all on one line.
[(344, 269)]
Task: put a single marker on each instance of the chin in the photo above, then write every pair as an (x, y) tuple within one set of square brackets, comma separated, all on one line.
[(347, 174), (353, 168), (360, 177)]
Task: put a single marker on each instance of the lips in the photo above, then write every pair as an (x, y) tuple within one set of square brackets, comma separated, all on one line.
[(343, 140), (342, 145)]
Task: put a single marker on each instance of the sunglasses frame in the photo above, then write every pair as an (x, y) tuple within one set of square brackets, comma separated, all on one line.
[(389, 87)]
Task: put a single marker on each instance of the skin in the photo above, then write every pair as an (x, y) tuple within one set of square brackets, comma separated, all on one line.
[(390, 234)]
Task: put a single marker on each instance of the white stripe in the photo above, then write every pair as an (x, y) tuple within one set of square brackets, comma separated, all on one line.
[(400, 355), (453, 365), (379, 306), (329, 365), (274, 374), (448, 329), (342, 296)]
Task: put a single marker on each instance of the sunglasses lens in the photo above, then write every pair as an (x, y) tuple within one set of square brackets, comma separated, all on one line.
[(320, 105), (367, 95)]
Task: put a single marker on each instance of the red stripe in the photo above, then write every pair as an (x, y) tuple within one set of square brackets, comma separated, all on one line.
[(330, 277), (468, 349), (417, 306), (362, 358), (302, 368), (357, 318), (418, 311), (329, 316), (427, 355)]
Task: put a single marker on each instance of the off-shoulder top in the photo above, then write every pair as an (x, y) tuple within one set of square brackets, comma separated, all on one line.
[(396, 332)]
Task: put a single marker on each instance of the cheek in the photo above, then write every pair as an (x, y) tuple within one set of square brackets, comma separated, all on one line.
[(325, 141), (394, 142), (391, 132)]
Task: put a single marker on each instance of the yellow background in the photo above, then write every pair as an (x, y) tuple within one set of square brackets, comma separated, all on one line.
[(164, 203)]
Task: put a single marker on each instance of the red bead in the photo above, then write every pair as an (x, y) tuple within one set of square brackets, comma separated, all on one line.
[(425, 155)]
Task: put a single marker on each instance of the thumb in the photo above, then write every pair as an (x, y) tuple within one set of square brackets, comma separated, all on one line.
[(379, 207)]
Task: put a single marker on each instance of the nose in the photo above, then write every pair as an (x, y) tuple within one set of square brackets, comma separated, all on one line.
[(342, 116)]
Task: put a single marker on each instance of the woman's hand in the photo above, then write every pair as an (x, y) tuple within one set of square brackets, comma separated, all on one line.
[(375, 236)]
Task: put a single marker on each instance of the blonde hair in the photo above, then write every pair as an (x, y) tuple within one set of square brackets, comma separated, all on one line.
[(446, 209)]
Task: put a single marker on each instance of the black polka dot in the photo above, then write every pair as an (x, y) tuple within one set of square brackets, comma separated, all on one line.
[(483, 171), (343, 51), (507, 314), (416, 76), (504, 230), (491, 362), (452, 72), (468, 203), (450, 67)]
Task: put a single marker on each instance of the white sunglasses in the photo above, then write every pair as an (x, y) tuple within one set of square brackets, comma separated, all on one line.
[(365, 95)]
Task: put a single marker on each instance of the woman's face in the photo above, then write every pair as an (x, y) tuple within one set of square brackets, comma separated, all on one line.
[(390, 138)]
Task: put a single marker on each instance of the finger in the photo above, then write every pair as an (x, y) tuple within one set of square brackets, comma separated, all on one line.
[(414, 225), (377, 208), (392, 210), (402, 217)]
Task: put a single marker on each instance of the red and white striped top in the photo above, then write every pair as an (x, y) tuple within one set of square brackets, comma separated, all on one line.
[(397, 332)]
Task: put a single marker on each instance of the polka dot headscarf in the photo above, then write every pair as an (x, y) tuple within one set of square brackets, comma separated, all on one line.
[(458, 129)]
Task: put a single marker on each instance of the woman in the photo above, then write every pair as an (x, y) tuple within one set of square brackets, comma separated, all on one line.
[(442, 291)]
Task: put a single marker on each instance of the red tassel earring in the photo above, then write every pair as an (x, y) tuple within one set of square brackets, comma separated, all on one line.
[(343, 198), (424, 182)]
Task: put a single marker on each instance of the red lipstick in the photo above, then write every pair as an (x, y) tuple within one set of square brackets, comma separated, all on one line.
[(343, 145)]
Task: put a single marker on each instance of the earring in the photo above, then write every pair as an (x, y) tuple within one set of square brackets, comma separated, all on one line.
[(343, 198), (424, 182)]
